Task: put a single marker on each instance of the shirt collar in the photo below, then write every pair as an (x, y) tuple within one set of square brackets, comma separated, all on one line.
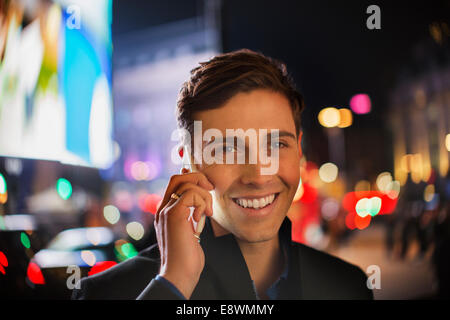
[(225, 262)]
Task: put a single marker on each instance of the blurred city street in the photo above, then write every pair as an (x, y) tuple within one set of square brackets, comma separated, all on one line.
[(412, 278)]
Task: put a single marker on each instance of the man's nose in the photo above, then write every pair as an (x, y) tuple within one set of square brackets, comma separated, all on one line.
[(252, 174)]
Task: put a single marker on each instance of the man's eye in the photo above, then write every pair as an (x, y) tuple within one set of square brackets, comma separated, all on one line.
[(279, 144), (228, 149)]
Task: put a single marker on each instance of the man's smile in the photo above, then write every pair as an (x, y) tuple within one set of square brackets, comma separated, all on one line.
[(255, 202)]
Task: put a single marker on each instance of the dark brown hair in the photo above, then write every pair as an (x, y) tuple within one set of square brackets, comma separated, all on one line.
[(216, 81)]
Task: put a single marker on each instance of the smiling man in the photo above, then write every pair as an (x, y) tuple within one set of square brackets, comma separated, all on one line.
[(235, 243)]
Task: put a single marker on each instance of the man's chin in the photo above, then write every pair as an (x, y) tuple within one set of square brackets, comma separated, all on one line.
[(246, 232), (255, 236)]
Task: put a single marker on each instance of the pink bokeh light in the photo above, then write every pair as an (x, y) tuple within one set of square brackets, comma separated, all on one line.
[(360, 103)]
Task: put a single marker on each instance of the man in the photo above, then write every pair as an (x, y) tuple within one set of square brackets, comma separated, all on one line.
[(242, 249)]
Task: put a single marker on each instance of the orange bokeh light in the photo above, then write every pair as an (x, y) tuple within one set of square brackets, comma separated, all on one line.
[(362, 223)]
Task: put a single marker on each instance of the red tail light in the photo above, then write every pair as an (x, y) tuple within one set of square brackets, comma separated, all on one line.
[(101, 266), (34, 274), (3, 260)]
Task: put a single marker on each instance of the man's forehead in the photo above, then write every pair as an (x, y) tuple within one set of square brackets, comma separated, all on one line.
[(256, 110)]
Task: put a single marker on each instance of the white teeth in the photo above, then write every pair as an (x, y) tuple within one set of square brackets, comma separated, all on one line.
[(256, 203), (262, 202)]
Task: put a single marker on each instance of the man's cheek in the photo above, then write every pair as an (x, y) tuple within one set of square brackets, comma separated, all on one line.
[(291, 176)]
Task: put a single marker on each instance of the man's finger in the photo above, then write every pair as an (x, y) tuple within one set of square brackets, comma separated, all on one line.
[(194, 177), (202, 192)]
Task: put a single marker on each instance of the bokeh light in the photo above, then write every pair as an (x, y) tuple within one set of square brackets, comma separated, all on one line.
[(3, 186), (149, 202), (64, 188), (128, 250), (34, 274), (111, 214), (360, 103), (13, 166), (94, 236), (135, 230), (447, 142), (143, 171), (307, 193), (123, 200), (3, 190), (393, 189), (299, 192), (346, 118), (328, 172), (362, 185), (330, 209), (25, 240), (140, 171), (101, 266), (88, 257), (329, 117), (3, 259), (350, 220), (362, 222), (3, 197), (365, 206), (313, 234), (429, 192), (383, 181)]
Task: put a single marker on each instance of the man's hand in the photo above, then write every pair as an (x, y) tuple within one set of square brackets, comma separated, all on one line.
[(182, 257)]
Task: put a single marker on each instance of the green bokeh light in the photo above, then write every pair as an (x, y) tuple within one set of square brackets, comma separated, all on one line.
[(375, 206), (3, 187), (64, 188), (129, 250), (367, 206), (25, 240)]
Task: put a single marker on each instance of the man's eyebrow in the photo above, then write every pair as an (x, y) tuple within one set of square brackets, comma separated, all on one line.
[(286, 134)]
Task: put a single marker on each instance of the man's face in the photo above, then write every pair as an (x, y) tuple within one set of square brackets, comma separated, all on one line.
[(238, 185)]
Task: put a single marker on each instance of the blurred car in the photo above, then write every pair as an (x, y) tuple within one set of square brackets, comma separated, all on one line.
[(71, 255), (17, 241)]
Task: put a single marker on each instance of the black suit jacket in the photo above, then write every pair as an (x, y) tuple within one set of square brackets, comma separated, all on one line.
[(312, 274)]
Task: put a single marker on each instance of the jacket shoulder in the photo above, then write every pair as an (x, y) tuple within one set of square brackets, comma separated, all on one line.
[(324, 276), (125, 280)]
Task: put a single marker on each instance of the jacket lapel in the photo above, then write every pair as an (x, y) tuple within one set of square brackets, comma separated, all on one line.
[(225, 273)]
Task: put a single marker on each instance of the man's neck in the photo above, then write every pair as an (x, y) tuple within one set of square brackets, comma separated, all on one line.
[(265, 259), (265, 262)]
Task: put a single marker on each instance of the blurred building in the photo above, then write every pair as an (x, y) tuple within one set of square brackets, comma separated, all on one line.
[(420, 111)]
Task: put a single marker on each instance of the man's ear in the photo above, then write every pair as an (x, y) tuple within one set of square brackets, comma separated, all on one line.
[(299, 142)]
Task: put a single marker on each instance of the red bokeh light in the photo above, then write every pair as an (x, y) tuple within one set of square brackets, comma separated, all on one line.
[(362, 223), (3, 259), (309, 194), (350, 220), (149, 203), (34, 274), (101, 266)]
